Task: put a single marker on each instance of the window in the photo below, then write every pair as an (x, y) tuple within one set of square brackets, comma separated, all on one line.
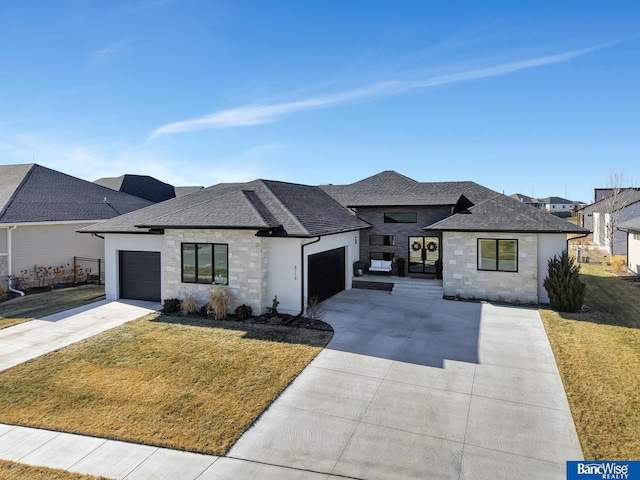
[(400, 217), (636, 236), (382, 239), (205, 263), (498, 255), (381, 256)]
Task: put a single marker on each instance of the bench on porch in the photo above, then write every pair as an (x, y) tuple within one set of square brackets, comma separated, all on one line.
[(383, 266)]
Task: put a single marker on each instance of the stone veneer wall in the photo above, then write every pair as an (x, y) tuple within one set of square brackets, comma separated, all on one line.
[(247, 266), (461, 277)]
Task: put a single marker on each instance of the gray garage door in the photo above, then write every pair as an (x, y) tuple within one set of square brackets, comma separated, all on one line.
[(140, 275), (327, 273)]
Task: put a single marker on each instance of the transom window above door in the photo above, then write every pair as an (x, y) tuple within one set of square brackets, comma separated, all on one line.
[(400, 217)]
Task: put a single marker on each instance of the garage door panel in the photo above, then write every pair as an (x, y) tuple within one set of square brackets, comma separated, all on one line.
[(140, 275), (326, 273)]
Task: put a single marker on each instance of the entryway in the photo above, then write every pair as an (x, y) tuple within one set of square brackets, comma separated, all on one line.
[(423, 253)]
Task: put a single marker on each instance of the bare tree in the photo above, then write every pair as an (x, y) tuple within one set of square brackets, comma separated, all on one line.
[(618, 194)]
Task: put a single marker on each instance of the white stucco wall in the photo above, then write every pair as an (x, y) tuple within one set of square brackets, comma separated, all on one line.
[(549, 245), (633, 259), (113, 244), (285, 273)]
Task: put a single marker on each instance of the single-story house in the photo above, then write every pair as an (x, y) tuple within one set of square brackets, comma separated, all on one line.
[(267, 238), (262, 239), (632, 229), (41, 210)]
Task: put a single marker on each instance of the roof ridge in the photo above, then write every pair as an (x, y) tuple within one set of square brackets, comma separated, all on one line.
[(284, 207), (255, 199), (17, 189)]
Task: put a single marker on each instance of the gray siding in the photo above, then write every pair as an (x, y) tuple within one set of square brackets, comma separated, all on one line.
[(375, 216), (52, 245)]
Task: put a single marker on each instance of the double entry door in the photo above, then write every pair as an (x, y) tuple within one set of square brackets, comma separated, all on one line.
[(423, 253)]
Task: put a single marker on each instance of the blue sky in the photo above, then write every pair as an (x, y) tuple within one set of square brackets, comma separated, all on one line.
[(540, 98)]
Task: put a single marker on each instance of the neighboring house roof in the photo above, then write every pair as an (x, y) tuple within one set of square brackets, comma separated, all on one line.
[(624, 198), (33, 193), (555, 201), (142, 186), (524, 198), (281, 208), (182, 191), (505, 214), (390, 188), (633, 224)]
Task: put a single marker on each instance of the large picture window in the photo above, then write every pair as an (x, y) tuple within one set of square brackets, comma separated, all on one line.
[(497, 255), (205, 263), (400, 217)]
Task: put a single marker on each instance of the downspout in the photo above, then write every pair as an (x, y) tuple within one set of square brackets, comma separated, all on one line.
[(9, 266), (302, 275)]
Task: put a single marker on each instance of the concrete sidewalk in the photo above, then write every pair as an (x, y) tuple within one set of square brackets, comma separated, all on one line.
[(407, 388), (34, 338)]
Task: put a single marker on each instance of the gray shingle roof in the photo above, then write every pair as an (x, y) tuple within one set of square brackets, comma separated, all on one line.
[(633, 224), (291, 209), (390, 188), (142, 186), (505, 214), (33, 193)]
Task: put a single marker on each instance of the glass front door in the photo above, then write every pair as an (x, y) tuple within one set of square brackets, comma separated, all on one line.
[(423, 253)]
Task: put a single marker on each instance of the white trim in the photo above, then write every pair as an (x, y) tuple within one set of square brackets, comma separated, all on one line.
[(64, 222)]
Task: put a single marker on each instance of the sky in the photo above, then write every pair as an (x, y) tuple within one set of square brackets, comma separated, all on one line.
[(539, 98)]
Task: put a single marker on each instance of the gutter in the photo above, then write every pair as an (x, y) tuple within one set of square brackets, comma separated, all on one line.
[(302, 275), (9, 266)]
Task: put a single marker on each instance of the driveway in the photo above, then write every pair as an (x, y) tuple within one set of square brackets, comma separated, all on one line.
[(415, 387), (34, 338)]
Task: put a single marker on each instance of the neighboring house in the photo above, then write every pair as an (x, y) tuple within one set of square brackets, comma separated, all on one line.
[(604, 216), (532, 202), (146, 187), (40, 211), (632, 230), (557, 205), (266, 238), (263, 239)]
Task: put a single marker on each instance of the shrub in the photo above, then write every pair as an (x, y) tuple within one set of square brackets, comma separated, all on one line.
[(315, 308), (188, 304), (243, 312), (619, 263), (171, 305), (218, 301), (566, 290)]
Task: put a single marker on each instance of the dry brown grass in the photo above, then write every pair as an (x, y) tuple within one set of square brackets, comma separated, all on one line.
[(161, 381), (23, 309), (598, 355), (18, 471)]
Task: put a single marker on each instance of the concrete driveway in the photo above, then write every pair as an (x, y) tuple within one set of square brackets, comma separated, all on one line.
[(418, 387)]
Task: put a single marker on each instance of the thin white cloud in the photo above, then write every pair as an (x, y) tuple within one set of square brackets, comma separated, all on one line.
[(105, 53), (261, 114)]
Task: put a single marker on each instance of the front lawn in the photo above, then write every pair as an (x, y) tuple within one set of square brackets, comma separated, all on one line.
[(18, 471), (598, 355), (36, 305), (186, 383)]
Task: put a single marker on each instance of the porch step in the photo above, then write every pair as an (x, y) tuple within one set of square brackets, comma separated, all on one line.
[(423, 290)]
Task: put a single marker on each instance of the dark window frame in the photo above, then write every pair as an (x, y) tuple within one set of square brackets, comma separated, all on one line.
[(388, 240), (387, 217), (196, 246), (497, 251)]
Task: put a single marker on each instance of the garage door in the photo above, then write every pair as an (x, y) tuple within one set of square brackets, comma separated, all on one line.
[(327, 273), (140, 275)]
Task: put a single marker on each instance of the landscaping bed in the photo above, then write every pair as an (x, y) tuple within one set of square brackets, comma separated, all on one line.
[(175, 381), (598, 356)]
